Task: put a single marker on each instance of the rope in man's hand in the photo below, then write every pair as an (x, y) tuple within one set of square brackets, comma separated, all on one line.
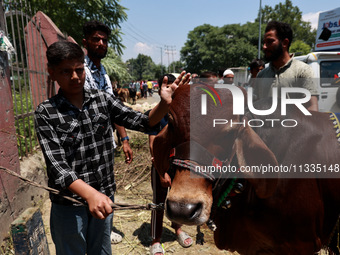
[(115, 206)]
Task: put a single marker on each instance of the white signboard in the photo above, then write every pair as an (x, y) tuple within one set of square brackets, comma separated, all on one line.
[(328, 32)]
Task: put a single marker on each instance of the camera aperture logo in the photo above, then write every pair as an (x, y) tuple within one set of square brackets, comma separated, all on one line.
[(239, 105), (212, 97)]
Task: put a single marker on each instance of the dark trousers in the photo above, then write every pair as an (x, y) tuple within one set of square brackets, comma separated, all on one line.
[(159, 196)]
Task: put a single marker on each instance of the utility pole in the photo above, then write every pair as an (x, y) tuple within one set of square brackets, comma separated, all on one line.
[(170, 50), (167, 51), (173, 51), (161, 60), (260, 18)]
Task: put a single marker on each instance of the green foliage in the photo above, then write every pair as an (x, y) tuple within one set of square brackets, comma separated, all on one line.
[(177, 67), (159, 70), (292, 15), (208, 47), (141, 67), (70, 15), (25, 130), (300, 48), (115, 67)]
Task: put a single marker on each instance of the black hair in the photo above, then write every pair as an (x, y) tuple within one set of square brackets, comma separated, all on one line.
[(92, 26), (208, 74), (256, 63), (63, 50), (283, 30), (221, 71), (171, 79)]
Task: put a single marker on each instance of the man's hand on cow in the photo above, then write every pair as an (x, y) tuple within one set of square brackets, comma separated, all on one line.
[(168, 89), (127, 151)]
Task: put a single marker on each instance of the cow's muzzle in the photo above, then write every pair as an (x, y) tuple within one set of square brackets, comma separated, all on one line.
[(183, 213)]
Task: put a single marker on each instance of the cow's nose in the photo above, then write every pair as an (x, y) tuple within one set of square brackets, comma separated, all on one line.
[(183, 212)]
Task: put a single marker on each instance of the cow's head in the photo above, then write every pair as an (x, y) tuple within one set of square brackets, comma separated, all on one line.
[(190, 199)]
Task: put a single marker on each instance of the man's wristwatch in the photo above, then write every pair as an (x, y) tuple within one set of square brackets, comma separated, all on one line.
[(125, 138)]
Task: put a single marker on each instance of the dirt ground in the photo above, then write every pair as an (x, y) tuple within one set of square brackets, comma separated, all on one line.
[(134, 187)]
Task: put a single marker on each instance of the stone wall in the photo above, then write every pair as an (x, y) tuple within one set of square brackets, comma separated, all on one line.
[(23, 195)]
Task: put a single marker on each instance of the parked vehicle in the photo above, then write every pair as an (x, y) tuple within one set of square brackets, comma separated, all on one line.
[(326, 67), (155, 85)]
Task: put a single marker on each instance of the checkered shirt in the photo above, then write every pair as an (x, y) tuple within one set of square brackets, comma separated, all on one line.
[(78, 144), (96, 78)]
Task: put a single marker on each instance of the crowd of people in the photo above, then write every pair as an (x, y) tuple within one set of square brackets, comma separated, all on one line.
[(75, 131), (143, 86)]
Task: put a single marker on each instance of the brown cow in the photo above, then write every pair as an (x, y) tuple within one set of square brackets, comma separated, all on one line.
[(123, 94), (272, 215)]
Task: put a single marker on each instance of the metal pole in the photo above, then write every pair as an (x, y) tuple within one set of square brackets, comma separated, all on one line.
[(260, 17), (161, 60)]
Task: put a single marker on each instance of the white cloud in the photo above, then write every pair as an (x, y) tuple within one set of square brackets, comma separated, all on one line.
[(313, 18), (143, 48)]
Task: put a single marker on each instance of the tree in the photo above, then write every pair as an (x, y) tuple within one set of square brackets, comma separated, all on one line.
[(70, 15), (292, 15), (115, 67), (199, 49), (178, 66), (299, 48), (141, 68), (208, 48), (159, 70)]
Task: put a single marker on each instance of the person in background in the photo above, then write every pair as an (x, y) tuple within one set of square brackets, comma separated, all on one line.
[(283, 69), (145, 89), (95, 42), (160, 190), (228, 77), (209, 78), (150, 85), (194, 78), (141, 89), (255, 67), (133, 91)]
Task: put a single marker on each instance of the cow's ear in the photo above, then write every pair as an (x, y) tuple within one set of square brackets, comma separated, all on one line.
[(252, 152), (161, 151)]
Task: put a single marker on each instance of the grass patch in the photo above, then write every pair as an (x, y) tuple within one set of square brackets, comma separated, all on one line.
[(24, 123)]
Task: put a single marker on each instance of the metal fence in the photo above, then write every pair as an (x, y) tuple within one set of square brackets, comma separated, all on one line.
[(27, 70)]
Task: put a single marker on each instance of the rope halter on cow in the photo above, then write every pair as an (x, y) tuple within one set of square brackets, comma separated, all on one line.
[(191, 156)]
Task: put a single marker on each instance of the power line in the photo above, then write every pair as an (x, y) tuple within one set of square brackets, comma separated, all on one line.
[(142, 33), (139, 36), (170, 49), (137, 39)]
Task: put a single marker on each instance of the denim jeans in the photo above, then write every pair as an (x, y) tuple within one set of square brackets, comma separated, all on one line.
[(75, 231)]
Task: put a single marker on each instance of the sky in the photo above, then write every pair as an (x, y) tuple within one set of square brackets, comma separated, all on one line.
[(160, 28)]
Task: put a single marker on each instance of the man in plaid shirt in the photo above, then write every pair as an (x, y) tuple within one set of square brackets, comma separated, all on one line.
[(74, 129)]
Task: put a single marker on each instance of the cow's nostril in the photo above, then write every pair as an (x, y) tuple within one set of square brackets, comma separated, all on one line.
[(183, 212)]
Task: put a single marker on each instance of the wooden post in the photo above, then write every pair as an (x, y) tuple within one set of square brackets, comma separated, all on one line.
[(28, 233)]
